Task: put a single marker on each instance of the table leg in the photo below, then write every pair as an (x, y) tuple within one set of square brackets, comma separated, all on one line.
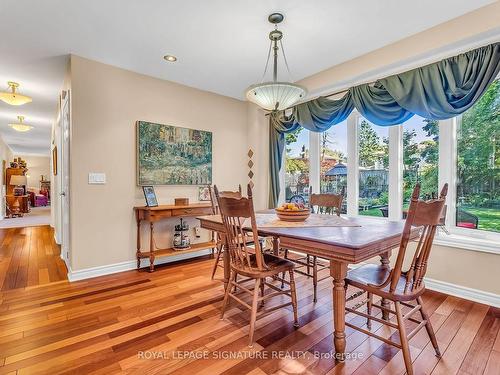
[(151, 248), (226, 258), (138, 252), (384, 261), (338, 271)]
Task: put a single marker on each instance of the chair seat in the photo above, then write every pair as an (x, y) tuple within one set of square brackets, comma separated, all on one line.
[(275, 265), (366, 276)]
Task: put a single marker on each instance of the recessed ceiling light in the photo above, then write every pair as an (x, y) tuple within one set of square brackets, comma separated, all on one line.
[(170, 58)]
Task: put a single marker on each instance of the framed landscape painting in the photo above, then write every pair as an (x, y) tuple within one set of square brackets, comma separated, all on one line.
[(171, 155)]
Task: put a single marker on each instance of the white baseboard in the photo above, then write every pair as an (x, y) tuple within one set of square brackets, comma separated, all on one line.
[(464, 292), (88, 273), (476, 295)]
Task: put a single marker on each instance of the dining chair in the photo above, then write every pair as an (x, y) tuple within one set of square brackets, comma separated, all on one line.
[(254, 264), (216, 236), (401, 287), (323, 204)]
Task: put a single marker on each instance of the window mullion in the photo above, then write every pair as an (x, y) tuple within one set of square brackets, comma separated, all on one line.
[(314, 161), (395, 172), (448, 166), (352, 164)]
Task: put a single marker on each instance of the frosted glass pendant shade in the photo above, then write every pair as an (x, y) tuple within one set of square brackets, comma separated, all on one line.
[(12, 97), (275, 95), (21, 126)]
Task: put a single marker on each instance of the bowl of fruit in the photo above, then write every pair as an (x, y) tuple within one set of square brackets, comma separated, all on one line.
[(292, 212)]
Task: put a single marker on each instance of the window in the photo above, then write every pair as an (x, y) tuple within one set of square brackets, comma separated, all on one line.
[(420, 158), (297, 164), (464, 151), (373, 144), (478, 164), (333, 159)]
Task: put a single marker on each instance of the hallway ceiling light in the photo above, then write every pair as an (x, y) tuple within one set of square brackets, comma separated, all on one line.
[(12, 97), (21, 126), (275, 95)]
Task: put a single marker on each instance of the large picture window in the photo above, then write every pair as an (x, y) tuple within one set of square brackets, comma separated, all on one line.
[(420, 158), (373, 145), (423, 151), (478, 164), (297, 165), (333, 160)]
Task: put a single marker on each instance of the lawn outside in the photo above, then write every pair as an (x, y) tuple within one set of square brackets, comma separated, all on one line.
[(489, 218)]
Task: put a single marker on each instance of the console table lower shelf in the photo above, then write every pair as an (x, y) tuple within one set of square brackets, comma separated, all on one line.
[(171, 252)]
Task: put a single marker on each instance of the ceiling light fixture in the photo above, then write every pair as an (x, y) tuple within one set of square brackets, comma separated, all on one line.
[(170, 58), (12, 97), (275, 95), (21, 126)]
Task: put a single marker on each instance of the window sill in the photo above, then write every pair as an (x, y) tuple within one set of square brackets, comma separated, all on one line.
[(468, 243)]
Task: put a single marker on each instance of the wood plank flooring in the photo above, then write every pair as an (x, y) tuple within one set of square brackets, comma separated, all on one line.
[(29, 257), (168, 322)]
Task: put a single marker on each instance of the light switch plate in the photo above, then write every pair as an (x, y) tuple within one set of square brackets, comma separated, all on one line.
[(97, 178)]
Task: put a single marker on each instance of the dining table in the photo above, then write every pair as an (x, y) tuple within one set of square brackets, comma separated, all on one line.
[(361, 239)]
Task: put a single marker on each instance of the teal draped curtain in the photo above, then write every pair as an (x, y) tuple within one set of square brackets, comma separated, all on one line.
[(437, 91)]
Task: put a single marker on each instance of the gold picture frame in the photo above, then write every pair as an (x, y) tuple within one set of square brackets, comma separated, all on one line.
[(54, 161)]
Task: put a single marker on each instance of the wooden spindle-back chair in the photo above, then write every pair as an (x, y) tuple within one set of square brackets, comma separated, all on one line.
[(217, 237), (398, 286), (323, 204), (237, 215)]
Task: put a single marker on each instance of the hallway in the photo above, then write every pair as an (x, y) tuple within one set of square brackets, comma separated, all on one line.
[(29, 257)]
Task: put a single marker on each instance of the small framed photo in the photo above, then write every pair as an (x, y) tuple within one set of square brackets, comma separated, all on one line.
[(204, 193), (149, 194)]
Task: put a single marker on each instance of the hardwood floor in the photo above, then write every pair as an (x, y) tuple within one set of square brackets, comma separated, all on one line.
[(29, 257), (168, 322)]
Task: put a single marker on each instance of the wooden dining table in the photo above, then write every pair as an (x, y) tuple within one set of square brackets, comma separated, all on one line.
[(340, 245)]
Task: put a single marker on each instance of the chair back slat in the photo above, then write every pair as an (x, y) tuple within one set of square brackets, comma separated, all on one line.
[(326, 203), (213, 198), (235, 210), (427, 215)]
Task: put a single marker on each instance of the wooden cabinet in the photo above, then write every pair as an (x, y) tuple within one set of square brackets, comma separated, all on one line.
[(24, 204)]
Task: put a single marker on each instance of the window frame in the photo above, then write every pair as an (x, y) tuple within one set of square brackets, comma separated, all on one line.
[(463, 238)]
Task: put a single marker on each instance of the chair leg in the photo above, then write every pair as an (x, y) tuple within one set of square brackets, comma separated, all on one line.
[(283, 280), (293, 292), (253, 316), (369, 309), (216, 263), (235, 286), (404, 339), (262, 291), (315, 279), (308, 260), (428, 327), (226, 294)]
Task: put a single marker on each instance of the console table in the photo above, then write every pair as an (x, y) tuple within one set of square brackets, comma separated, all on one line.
[(153, 214)]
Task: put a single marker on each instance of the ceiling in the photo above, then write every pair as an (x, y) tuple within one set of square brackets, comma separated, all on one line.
[(221, 45)]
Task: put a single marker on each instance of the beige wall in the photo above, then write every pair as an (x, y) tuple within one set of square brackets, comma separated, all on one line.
[(7, 155), (106, 103), (37, 166)]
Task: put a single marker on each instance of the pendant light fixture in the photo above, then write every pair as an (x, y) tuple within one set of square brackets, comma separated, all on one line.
[(21, 126), (275, 95), (12, 97)]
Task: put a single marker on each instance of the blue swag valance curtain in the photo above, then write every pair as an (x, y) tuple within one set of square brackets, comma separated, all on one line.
[(437, 91)]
